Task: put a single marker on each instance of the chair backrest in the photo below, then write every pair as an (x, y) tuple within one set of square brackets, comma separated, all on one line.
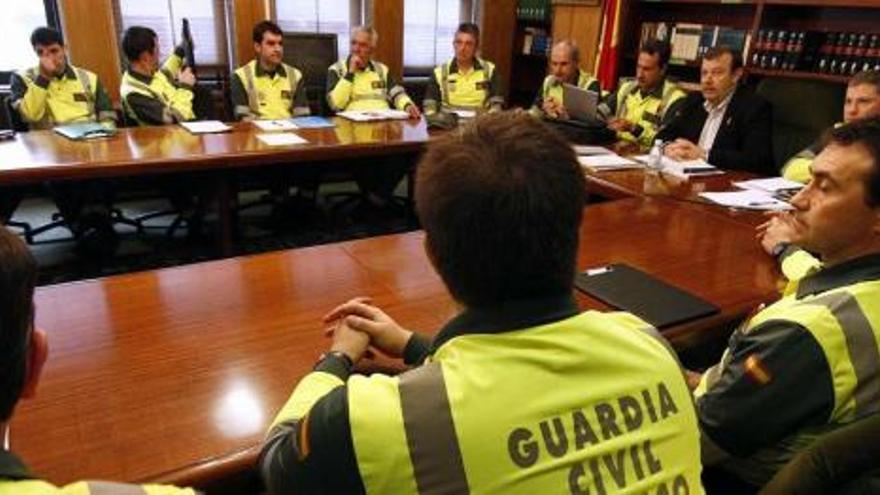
[(16, 123), (312, 54), (844, 461), (802, 110)]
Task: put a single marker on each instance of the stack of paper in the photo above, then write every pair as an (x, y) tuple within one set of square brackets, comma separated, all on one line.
[(600, 163), (373, 115), (771, 185), (276, 125), (281, 139), (465, 114), (749, 199), (205, 126)]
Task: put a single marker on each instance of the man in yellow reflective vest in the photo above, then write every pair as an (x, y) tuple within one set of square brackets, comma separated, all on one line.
[(266, 87), (862, 102), (23, 352), (564, 59), (639, 108), (154, 95), (467, 82), (56, 92), (810, 362), (519, 393), (359, 82), (160, 95)]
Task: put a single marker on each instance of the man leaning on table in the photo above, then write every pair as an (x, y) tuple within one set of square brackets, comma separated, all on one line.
[(724, 123), (23, 352), (519, 393), (810, 362)]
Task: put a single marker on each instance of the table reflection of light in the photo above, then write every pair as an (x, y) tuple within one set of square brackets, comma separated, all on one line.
[(239, 412)]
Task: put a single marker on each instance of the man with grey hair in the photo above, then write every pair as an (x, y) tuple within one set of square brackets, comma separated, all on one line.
[(564, 59), (361, 83)]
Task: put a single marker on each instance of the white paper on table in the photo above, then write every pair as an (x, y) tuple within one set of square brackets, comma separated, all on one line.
[(749, 199), (772, 184), (584, 150), (465, 114), (205, 126), (281, 139), (373, 115), (607, 162), (276, 125)]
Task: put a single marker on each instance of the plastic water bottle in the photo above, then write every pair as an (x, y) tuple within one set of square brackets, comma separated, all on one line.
[(656, 154)]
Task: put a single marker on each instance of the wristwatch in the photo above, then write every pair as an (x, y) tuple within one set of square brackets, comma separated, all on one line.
[(337, 354), (779, 248)]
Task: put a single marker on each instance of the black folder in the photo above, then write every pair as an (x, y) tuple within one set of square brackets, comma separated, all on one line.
[(633, 290)]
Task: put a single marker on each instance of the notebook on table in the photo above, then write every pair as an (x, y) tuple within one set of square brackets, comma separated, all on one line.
[(630, 289)]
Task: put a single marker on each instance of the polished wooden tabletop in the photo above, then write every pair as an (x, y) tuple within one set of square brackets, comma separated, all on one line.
[(616, 184), (44, 155), (175, 374)]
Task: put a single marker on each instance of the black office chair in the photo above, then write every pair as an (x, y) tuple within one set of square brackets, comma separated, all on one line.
[(845, 462)]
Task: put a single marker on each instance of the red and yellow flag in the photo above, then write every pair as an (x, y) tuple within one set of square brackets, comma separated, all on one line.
[(606, 62)]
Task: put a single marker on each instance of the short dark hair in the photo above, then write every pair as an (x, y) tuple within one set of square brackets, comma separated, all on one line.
[(716, 52), (870, 77), (657, 47), (264, 27), (18, 275), (46, 36), (136, 40), (867, 134), (501, 204), (469, 28)]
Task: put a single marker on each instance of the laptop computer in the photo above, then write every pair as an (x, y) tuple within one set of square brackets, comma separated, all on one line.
[(580, 104)]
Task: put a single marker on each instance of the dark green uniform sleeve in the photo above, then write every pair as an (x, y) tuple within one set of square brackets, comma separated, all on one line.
[(149, 110), (301, 100), (496, 92), (240, 99), (611, 102), (417, 349), (595, 87), (328, 465), (103, 105), (742, 413), (433, 98)]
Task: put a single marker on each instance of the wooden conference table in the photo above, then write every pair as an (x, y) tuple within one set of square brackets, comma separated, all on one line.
[(39, 156), (175, 374)]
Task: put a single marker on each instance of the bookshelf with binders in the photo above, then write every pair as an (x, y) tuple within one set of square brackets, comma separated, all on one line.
[(823, 40), (532, 42)]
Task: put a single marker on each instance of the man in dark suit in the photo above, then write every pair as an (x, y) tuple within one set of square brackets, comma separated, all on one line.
[(725, 123)]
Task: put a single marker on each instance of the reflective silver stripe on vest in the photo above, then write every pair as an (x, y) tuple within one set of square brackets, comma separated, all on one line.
[(251, 90), (168, 114), (862, 347), (107, 488), (83, 78), (444, 81), (430, 432), (291, 80)]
